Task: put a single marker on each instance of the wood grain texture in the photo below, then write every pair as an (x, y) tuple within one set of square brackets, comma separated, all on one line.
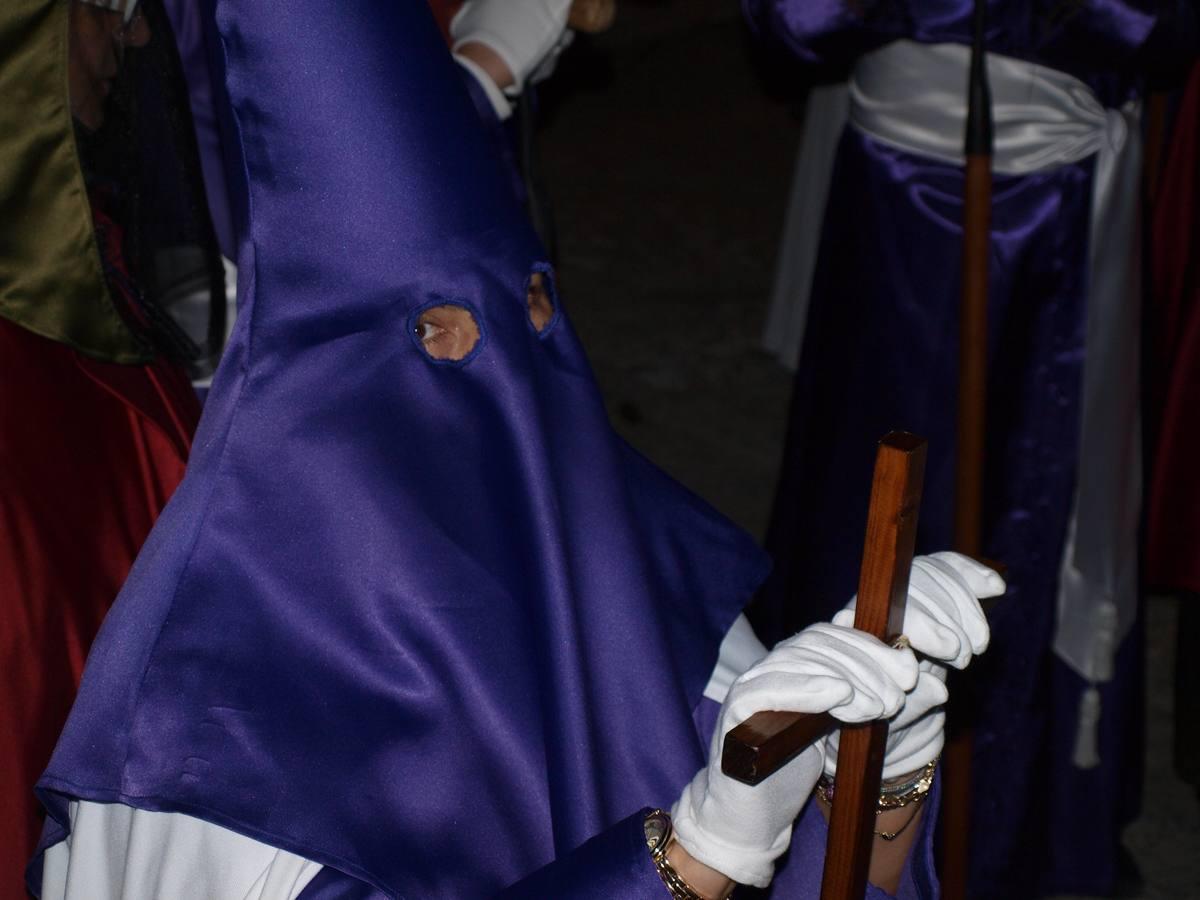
[(972, 359), (768, 740), (882, 594), (968, 503)]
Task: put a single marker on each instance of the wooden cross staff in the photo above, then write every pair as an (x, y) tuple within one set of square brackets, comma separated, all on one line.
[(972, 400), (766, 741)]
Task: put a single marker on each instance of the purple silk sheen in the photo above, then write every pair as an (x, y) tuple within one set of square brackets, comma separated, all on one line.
[(501, 135), (880, 352), (613, 864), (330, 884), (616, 863), (1105, 43), (431, 624)]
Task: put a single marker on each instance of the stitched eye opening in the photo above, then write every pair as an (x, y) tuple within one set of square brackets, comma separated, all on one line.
[(447, 332), (541, 300)]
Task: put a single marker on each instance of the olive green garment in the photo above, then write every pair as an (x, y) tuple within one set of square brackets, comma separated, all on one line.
[(51, 279)]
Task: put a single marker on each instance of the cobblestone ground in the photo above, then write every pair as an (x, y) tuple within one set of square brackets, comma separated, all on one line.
[(668, 165)]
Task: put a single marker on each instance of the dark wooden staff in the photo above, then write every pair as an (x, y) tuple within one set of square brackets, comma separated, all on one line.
[(972, 398), (767, 740)]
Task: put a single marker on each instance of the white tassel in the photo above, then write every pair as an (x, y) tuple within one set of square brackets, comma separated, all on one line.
[(1087, 750), (1104, 648)]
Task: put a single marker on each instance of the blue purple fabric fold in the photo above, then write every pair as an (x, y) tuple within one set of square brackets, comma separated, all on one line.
[(431, 624), (881, 352), (617, 864)]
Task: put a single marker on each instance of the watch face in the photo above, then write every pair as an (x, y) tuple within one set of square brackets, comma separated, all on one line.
[(657, 827)]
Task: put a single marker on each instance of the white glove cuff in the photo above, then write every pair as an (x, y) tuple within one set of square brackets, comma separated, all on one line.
[(523, 34), (925, 743), (743, 865)]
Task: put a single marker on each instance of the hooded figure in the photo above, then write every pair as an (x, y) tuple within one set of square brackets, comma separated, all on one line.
[(96, 415), (416, 615)]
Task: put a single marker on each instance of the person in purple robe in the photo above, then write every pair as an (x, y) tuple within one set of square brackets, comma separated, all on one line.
[(503, 48), (1057, 752), (417, 622)]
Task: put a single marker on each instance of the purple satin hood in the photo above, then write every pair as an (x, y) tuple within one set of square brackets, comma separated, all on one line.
[(430, 624)]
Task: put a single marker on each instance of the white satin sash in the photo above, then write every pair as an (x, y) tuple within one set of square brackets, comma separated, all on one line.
[(913, 96)]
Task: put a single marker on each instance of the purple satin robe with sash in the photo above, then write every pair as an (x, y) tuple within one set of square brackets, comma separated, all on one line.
[(430, 624), (880, 352)]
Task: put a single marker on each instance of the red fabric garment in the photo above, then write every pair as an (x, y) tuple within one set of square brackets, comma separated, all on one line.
[(90, 452), (1172, 557), (443, 11)]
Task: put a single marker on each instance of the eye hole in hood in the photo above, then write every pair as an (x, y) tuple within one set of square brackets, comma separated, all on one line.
[(447, 332), (541, 300)]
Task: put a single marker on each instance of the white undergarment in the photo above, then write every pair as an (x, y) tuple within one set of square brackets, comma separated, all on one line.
[(116, 852)]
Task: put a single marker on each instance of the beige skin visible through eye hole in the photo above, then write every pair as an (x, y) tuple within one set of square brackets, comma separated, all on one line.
[(448, 331), (541, 307)]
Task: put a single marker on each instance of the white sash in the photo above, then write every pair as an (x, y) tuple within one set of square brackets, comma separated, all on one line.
[(913, 96)]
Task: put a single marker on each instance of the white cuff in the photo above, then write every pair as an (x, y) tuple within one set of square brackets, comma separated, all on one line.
[(741, 864)]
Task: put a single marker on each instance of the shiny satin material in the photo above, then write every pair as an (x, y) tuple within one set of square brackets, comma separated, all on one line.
[(1098, 585), (1106, 43), (1173, 504), (881, 350), (912, 96), (616, 863), (909, 96), (89, 453), (51, 280), (431, 624), (91, 444)]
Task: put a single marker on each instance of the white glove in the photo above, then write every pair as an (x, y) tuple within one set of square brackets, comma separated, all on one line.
[(944, 623), (741, 830), (527, 34)]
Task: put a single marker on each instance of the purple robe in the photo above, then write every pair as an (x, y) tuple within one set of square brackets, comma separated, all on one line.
[(616, 863), (429, 623), (880, 352)]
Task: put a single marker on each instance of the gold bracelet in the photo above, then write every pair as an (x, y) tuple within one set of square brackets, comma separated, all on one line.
[(892, 835), (895, 796), (659, 833)]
